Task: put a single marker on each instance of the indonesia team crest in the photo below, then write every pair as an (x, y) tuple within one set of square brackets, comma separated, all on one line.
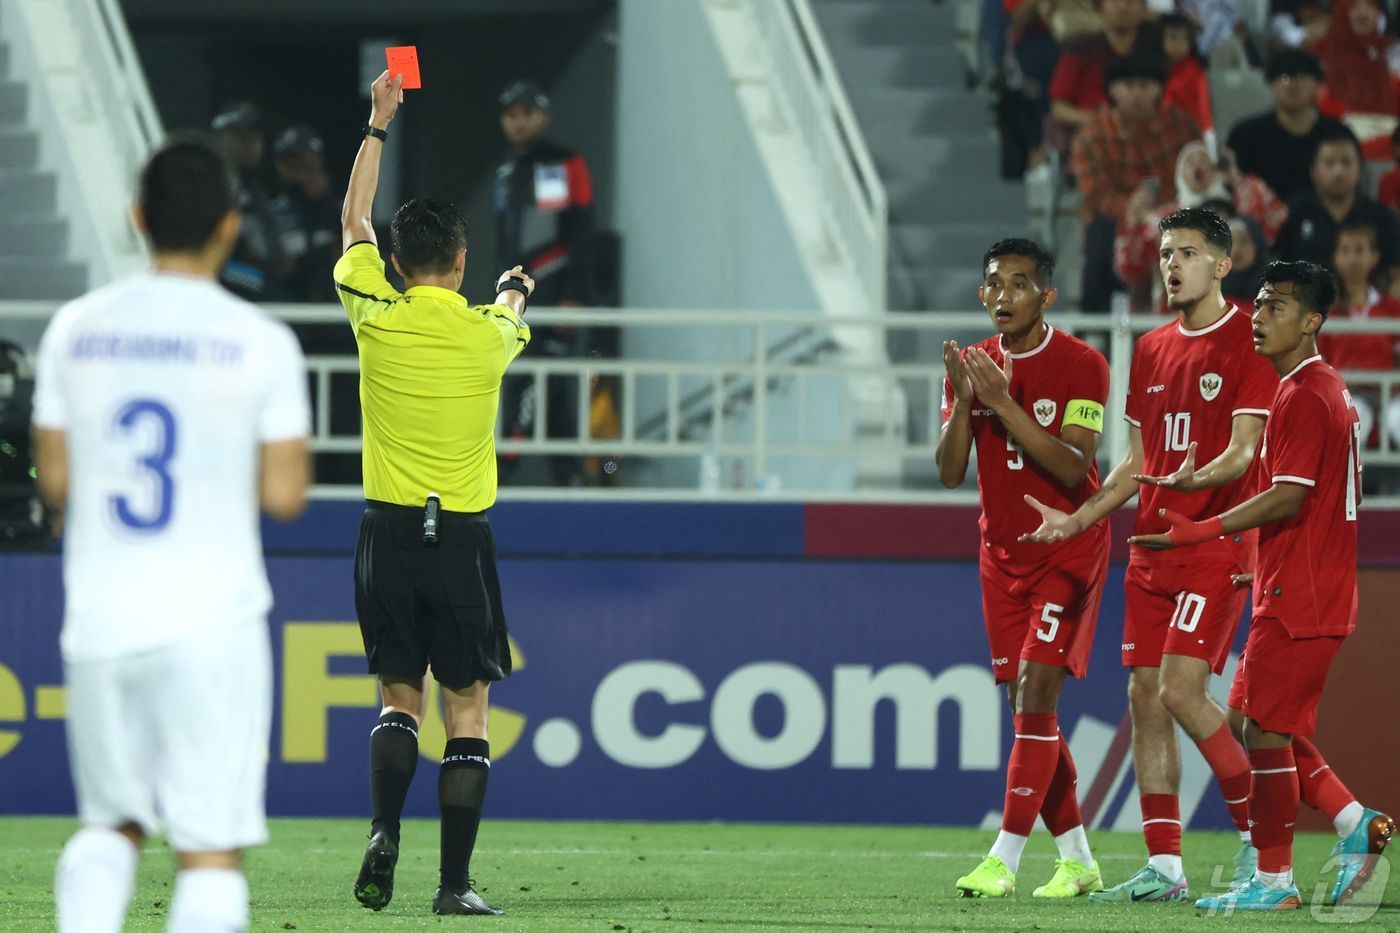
[(1044, 411), (1210, 386)]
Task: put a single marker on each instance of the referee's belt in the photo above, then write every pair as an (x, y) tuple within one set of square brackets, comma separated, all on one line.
[(415, 512)]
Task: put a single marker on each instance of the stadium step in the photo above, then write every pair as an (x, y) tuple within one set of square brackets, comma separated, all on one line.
[(28, 192), (14, 103), (910, 67), (24, 277), (33, 235), (947, 198), (918, 110), (4, 59), (19, 149)]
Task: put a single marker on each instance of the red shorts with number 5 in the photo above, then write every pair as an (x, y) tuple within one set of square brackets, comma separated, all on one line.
[(1187, 608), (1045, 613)]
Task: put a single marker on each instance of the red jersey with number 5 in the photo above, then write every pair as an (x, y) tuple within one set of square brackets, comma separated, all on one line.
[(1185, 386), (1061, 382), (1305, 575)]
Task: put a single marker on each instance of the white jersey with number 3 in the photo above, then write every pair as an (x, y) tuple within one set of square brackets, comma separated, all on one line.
[(166, 386)]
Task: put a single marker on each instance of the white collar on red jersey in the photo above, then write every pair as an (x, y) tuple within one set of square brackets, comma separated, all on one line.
[(1373, 298), (1312, 359), (1209, 327), (1049, 332)]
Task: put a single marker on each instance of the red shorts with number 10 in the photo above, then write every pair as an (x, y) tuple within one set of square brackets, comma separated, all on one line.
[(1046, 612), (1188, 607)]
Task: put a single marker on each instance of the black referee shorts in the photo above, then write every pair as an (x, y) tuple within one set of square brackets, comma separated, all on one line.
[(438, 605)]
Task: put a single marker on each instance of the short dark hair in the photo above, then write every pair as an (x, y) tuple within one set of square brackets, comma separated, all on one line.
[(1030, 249), (1207, 223), (1138, 66), (1356, 225), (1292, 62), (1313, 285), (426, 234), (1336, 133), (185, 189)]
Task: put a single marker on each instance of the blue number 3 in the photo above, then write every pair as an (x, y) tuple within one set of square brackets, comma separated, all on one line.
[(157, 462)]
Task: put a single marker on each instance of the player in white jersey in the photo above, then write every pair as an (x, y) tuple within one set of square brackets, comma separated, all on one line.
[(166, 411)]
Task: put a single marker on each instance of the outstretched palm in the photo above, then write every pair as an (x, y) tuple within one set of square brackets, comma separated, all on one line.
[(1183, 480), (1055, 526)]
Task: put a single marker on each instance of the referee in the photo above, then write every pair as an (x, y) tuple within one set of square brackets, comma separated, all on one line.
[(426, 589)]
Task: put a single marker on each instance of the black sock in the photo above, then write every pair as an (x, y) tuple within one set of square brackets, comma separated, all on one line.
[(466, 763), (393, 756)]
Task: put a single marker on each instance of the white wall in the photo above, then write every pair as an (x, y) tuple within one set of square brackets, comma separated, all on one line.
[(701, 223)]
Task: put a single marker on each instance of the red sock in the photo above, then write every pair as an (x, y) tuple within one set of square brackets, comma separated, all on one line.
[(1161, 823), (1228, 760), (1318, 784), (1273, 805), (1060, 811), (1033, 758)]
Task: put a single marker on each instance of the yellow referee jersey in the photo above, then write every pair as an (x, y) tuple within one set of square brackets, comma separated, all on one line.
[(430, 384)]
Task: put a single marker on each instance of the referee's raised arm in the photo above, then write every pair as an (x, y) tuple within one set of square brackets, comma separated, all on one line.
[(356, 220)]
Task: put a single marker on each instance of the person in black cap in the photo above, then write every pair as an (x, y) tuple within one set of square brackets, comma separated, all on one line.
[(1136, 138), (308, 215), (253, 271), (544, 222), (1278, 145)]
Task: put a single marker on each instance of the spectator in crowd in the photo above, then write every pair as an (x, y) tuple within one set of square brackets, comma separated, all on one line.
[(1357, 265), (1278, 145), (1217, 20), (1077, 88), (252, 270), (1036, 50), (1353, 54), (544, 222), (1294, 23), (1249, 254), (1390, 181), (308, 215), (1200, 182), (1186, 87), (1134, 139), (1335, 199)]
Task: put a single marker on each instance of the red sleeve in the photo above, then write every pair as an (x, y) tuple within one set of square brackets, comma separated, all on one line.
[(1258, 385), (580, 185), (1131, 414), (1390, 188), (1064, 83), (1297, 438)]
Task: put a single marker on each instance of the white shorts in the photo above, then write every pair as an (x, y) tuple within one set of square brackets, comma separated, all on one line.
[(177, 736)]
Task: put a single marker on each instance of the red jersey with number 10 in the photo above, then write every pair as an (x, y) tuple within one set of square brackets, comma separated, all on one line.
[(1063, 381), (1188, 385), (1306, 571)]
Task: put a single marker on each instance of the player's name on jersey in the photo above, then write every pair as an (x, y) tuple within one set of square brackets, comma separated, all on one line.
[(161, 348)]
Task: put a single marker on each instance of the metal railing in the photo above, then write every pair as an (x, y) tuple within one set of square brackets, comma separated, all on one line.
[(779, 422), (93, 94), (810, 87)]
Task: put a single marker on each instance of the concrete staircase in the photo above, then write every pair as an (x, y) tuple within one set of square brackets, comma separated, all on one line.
[(34, 261), (933, 142)]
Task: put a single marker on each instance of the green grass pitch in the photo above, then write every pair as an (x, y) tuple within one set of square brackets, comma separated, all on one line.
[(672, 877)]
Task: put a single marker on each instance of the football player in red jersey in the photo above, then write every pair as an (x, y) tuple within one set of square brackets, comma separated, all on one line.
[(1031, 398), (1304, 582), (1197, 392)]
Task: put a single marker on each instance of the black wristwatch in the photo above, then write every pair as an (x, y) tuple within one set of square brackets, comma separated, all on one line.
[(512, 282), (374, 131)]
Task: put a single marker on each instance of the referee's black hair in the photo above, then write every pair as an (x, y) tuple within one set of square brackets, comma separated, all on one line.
[(426, 235), (1207, 223), (1314, 288), (185, 190), (1029, 249)]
